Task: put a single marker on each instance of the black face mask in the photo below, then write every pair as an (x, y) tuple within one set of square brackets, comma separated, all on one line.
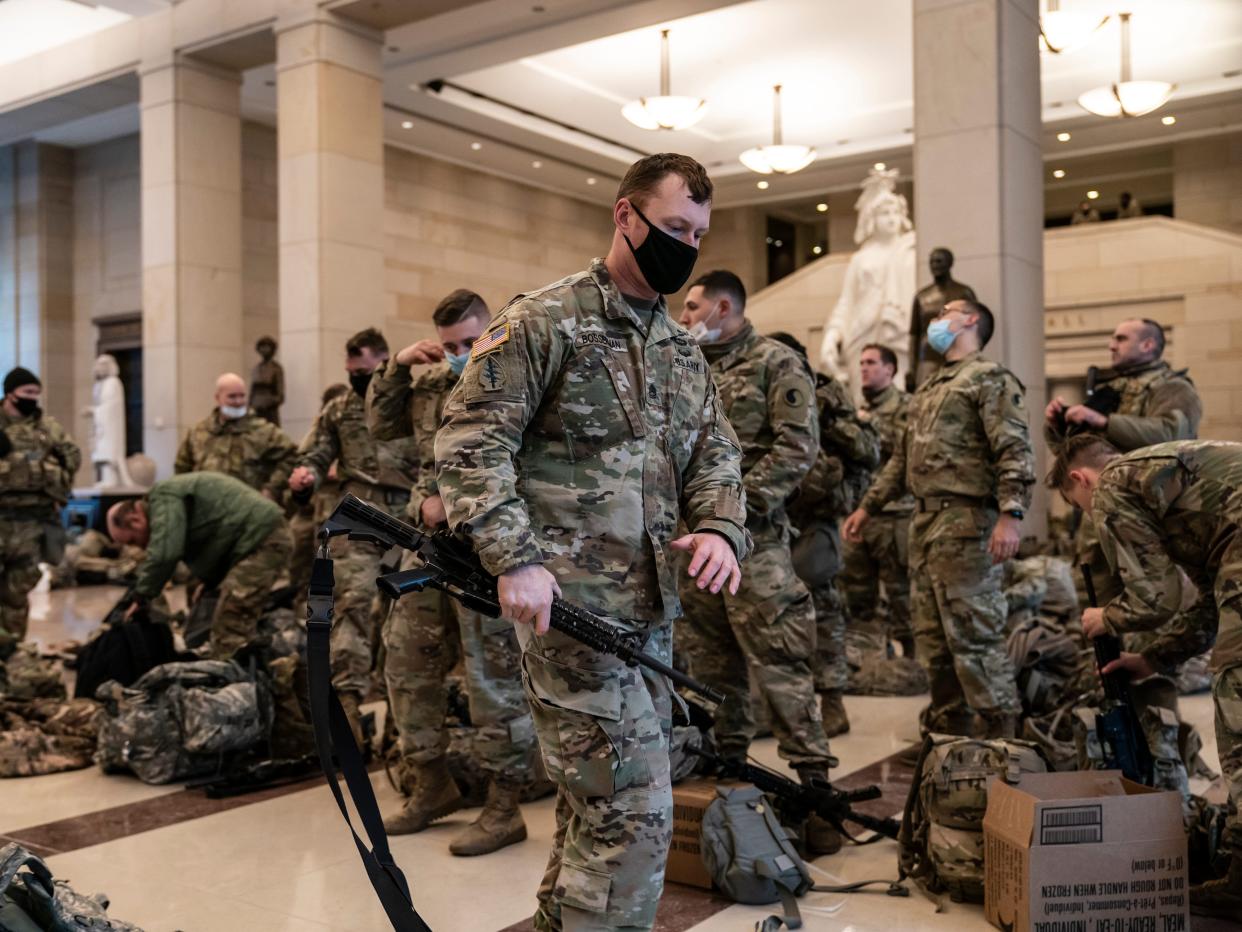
[(665, 261), (25, 406), (360, 381)]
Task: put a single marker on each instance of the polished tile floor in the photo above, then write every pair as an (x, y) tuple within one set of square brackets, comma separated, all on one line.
[(169, 860)]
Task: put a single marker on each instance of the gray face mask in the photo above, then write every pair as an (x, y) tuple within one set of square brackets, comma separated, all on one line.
[(232, 412)]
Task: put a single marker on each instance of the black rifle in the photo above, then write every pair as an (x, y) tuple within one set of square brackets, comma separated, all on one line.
[(796, 801), (451, 566), (1118, 728), (1101, 399)]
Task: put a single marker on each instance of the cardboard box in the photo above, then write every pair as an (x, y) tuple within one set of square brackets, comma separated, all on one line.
[(1084, 852), (685, 856)]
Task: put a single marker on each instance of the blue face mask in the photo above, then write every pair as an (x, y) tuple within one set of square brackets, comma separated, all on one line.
[(939, 336), (456, 363)]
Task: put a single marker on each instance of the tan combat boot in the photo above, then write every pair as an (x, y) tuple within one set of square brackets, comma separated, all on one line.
[(435, 795), (1221, 898), (350, 702), (821, 835), (498, 825), (832, 708)]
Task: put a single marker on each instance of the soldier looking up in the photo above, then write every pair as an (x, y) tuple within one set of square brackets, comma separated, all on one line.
[(235, 441), (967, 460), (1160, 511), (37, 463), (584, 430), (766, 630), (427, 632), (229, 536)]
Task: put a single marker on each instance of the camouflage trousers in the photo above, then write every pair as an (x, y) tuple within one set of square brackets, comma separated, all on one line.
[(765, 633), (425, 635), (959, 613), (244, 590), (21, 547), (881, 559), (832, 672), (356, 565), (302, 529), (604, 731), (1227, 697)]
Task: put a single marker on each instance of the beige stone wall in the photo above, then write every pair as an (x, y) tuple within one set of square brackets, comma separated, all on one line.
[(447, 227), (1207, 181), (260, 247)]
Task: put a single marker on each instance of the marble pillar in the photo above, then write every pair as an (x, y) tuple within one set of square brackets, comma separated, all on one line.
[(978, 174), (331, 178), (191, 245)]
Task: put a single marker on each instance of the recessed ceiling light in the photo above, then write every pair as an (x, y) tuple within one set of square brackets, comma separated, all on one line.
[(1092, 195), (536, 164), (1169, 120), (1059, 173), (761, 185), (590, 181), (880, 166), (821, 207), (476, 146), (1063, 137), (407, 124), (817, 249)]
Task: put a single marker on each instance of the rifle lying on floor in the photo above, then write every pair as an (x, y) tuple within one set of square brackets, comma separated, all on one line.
[(1121, 734)]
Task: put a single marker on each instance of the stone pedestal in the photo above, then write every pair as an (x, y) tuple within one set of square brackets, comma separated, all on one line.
[(191, 245), (978, 174), (331, 180)]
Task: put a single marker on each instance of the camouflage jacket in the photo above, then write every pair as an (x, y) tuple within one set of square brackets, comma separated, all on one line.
[(888, 411), (379, 471), (1157, 405), (38, 470), (849, 452), (966, 437), (401, 405), (579, 436), (1159, 508), (248, 448), (767, 394)]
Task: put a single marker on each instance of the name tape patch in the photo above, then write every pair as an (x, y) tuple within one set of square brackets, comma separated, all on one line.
[(681, 362), (595, 338)]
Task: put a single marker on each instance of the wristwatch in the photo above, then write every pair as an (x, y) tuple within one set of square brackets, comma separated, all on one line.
[(1016, 513)]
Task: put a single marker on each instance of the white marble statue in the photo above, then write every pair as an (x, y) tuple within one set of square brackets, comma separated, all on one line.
[(874, 306), (108, 426)]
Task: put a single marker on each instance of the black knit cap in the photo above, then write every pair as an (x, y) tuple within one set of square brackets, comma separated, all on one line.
[(18, 377)]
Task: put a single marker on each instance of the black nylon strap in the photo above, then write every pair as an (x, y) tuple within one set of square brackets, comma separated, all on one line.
[(332, 732)]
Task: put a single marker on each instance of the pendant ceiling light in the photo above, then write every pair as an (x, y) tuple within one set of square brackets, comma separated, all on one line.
[(1065, 30), (667, 111), (1126, 98), (778, 157)]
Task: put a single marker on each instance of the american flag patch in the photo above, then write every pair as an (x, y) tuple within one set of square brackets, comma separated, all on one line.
[(489, 341)]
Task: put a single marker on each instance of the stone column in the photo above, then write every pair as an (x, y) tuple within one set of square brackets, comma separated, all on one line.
[(331, 179), (191, 245), (978, 174)]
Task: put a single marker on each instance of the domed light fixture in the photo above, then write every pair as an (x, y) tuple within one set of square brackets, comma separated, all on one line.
[(779, 158), (667, 111), (1126, 98), (1064, 30)]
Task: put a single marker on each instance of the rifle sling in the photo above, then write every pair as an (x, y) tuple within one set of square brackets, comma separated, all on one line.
[(332, 732)]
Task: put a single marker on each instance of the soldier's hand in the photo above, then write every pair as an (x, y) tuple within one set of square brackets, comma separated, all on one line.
[(301, 479), (432, 511), (1135, 664), (1081, 414), (1093, 623), (852, 528), (1006, 537), (714, 563), (526, 595), (1052, 413), (420, 353)]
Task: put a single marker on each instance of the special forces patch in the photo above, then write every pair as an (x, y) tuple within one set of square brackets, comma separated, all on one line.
[(492, 374)]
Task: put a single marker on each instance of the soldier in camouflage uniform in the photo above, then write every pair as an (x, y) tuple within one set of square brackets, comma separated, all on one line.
[(766, 632), (230, 537), (380, 473), (584, 430), (849, 452), (308, 514), (427, 631), (882, 558), (1160, 511), (37, 463), (234, 440), (968, 462)]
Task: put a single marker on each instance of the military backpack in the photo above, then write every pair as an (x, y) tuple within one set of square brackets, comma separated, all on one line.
[(32, 901)]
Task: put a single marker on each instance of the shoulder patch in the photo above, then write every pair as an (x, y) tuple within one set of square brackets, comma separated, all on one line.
[(491, 374), (490, 341), (793, 397)]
